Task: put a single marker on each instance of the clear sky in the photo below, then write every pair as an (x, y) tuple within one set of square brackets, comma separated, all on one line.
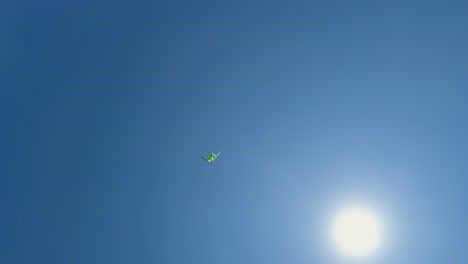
[(107, 106)]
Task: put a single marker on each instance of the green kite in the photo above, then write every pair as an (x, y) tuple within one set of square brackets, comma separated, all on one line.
[(212, 157)]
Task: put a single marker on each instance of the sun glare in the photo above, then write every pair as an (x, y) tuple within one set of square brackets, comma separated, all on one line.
[(356, 232)]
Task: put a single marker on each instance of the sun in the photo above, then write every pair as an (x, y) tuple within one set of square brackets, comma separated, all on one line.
[(357, 232)]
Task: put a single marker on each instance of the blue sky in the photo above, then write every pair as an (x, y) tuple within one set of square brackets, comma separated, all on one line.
[(106, 108)]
